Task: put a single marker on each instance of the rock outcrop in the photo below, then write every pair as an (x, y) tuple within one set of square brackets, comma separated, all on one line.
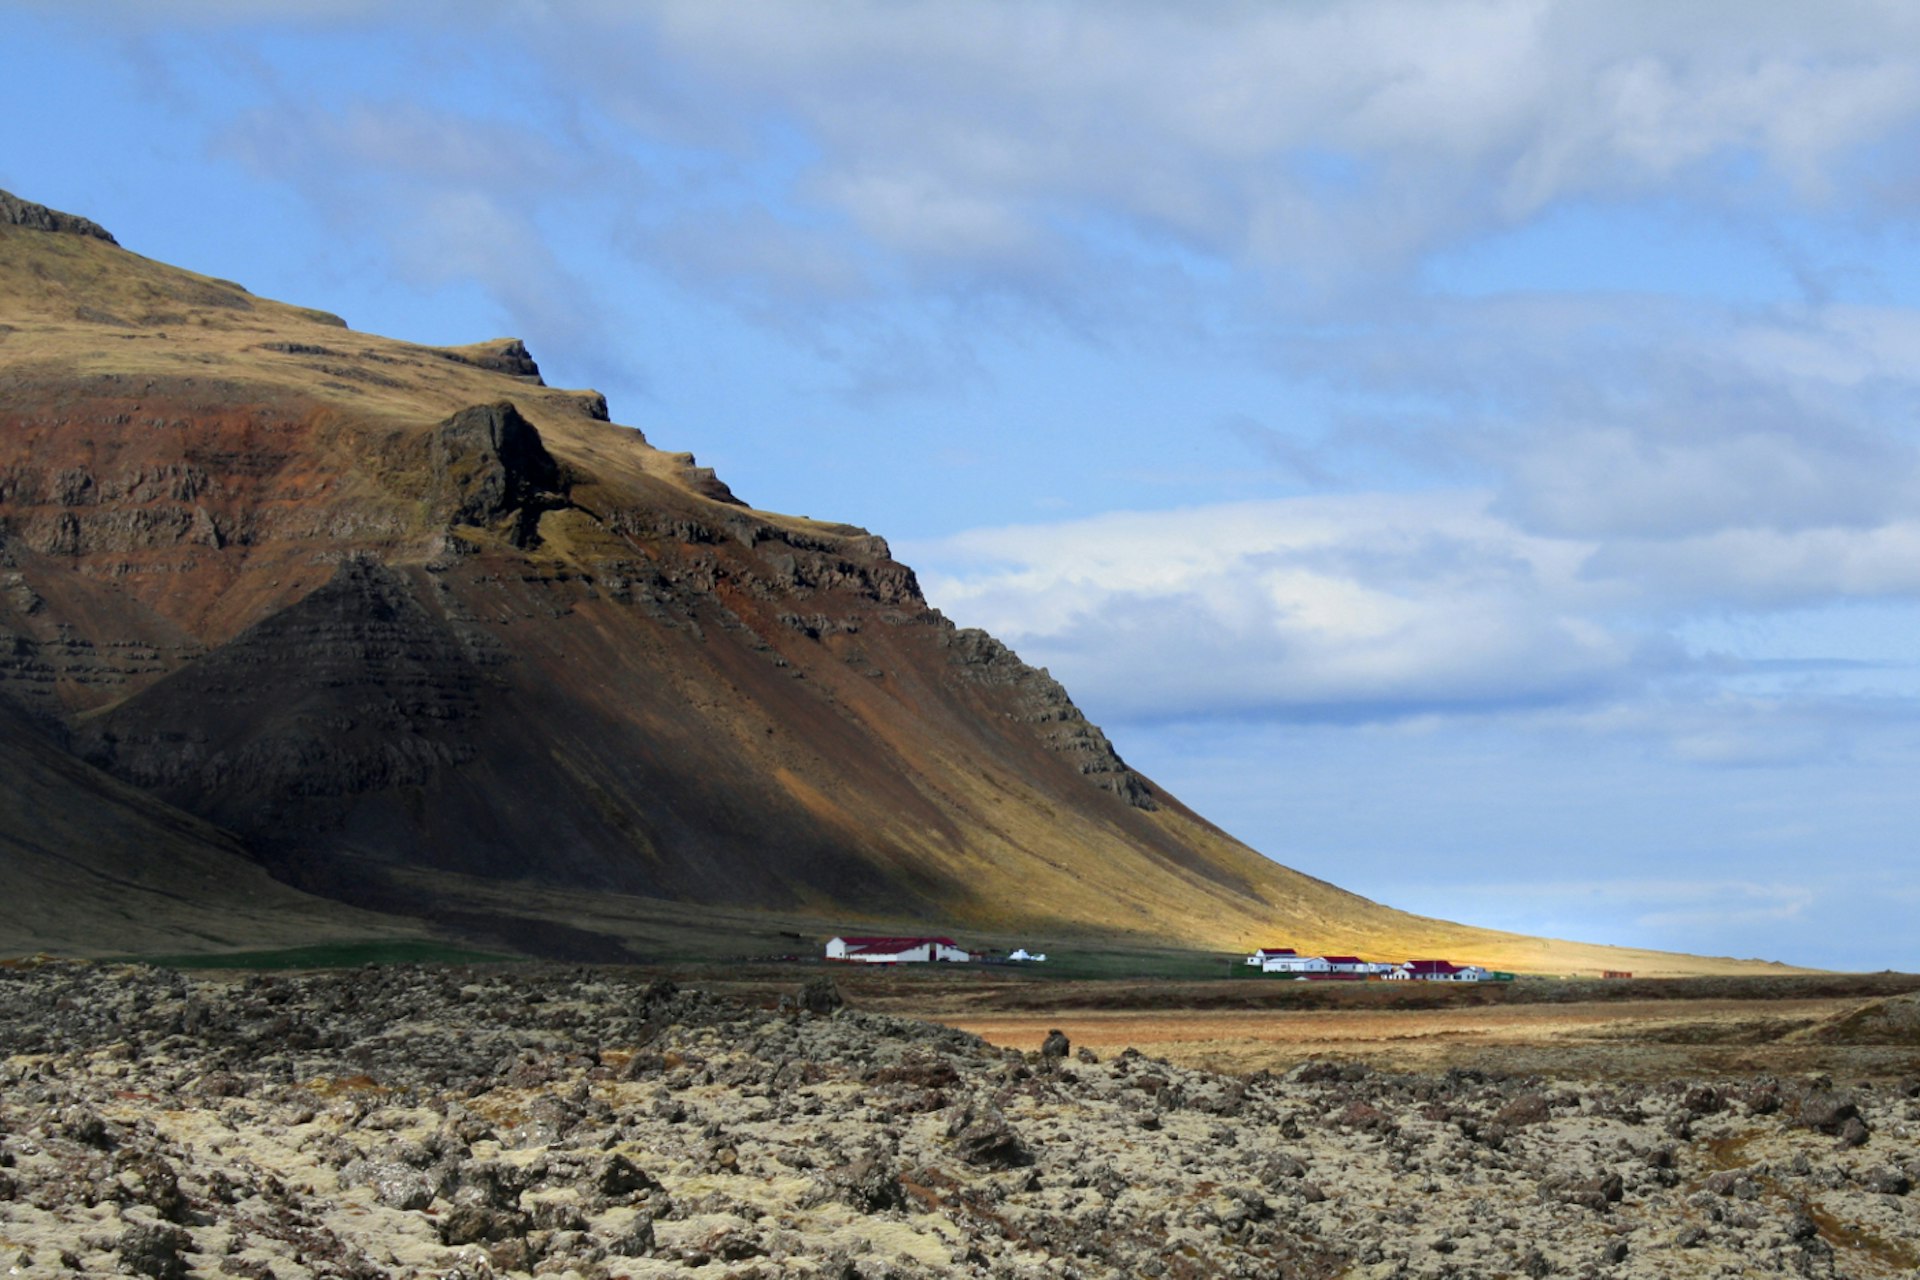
[(486, 465), (1042, 701), (15, 212)]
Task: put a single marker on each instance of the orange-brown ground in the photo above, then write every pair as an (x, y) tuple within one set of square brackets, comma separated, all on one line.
[(1637, 1030), (1637, 1040)]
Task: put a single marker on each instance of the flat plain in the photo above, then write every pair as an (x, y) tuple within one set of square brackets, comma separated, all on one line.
[(1634, 1030)]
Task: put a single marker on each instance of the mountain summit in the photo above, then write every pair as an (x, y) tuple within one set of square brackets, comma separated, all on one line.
[(390, 621)]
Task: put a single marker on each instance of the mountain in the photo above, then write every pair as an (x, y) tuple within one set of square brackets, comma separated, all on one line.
[(402, 627)]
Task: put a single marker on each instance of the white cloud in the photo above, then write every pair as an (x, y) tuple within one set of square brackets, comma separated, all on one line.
[(1326, 604), (1127, 167), (1326, 142), (1395, 606), (992, 124)]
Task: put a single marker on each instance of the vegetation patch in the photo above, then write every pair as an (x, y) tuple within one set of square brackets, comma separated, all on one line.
[(1889, 1022), (1895, 1254), (336, 955)]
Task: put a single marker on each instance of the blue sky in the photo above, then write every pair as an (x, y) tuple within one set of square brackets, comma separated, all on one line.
[(1466, 448)]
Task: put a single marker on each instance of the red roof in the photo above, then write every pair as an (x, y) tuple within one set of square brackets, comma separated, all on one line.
[(1433, 966), (1274, 951), (894, 944), (1343, 959)]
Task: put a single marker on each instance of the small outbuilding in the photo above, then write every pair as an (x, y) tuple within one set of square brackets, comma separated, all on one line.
[(1259, 958)]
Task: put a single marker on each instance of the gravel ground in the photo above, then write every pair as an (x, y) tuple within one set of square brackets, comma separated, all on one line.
[(474, 1122)]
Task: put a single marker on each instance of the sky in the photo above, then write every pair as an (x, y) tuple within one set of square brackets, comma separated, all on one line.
[(1465, 448)]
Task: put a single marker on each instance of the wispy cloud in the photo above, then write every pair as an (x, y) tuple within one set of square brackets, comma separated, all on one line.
[(1326, 147)]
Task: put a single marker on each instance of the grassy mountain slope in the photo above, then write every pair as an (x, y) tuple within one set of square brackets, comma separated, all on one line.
[(92, 865)]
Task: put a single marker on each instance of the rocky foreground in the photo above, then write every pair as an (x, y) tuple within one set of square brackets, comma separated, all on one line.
[(458, 1122)]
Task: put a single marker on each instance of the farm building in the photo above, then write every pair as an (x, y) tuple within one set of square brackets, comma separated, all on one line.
[(1439, 971), (1288, 961), (1355, 965), (896, 950), (1296, 964)]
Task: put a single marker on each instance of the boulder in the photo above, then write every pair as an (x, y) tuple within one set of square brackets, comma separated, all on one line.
[(821, 996), (1597, 1192), (395, 1184), (870, 1185), (155, 1251), (472, 1224), (988, 1140), (1528, 1108), (1827, 1111)]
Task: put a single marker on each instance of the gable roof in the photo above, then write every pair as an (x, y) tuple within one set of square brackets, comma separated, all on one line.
[(1275, 951), (1343, 959), (894, 944), (1433, 966)]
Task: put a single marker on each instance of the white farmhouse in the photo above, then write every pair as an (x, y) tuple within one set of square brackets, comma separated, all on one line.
[(1440, 971), (1296, 964), (1259, 958), (896, 950)]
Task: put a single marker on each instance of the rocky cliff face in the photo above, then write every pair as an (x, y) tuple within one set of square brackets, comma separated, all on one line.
[(374, 608)]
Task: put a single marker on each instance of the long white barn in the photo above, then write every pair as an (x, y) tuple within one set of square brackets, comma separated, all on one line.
[(1296, 964), (897, 950)]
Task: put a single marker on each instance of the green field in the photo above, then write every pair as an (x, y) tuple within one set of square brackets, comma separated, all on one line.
[(1082, 964)]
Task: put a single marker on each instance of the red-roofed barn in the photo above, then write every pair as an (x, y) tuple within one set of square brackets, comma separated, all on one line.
[(896, 950)]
